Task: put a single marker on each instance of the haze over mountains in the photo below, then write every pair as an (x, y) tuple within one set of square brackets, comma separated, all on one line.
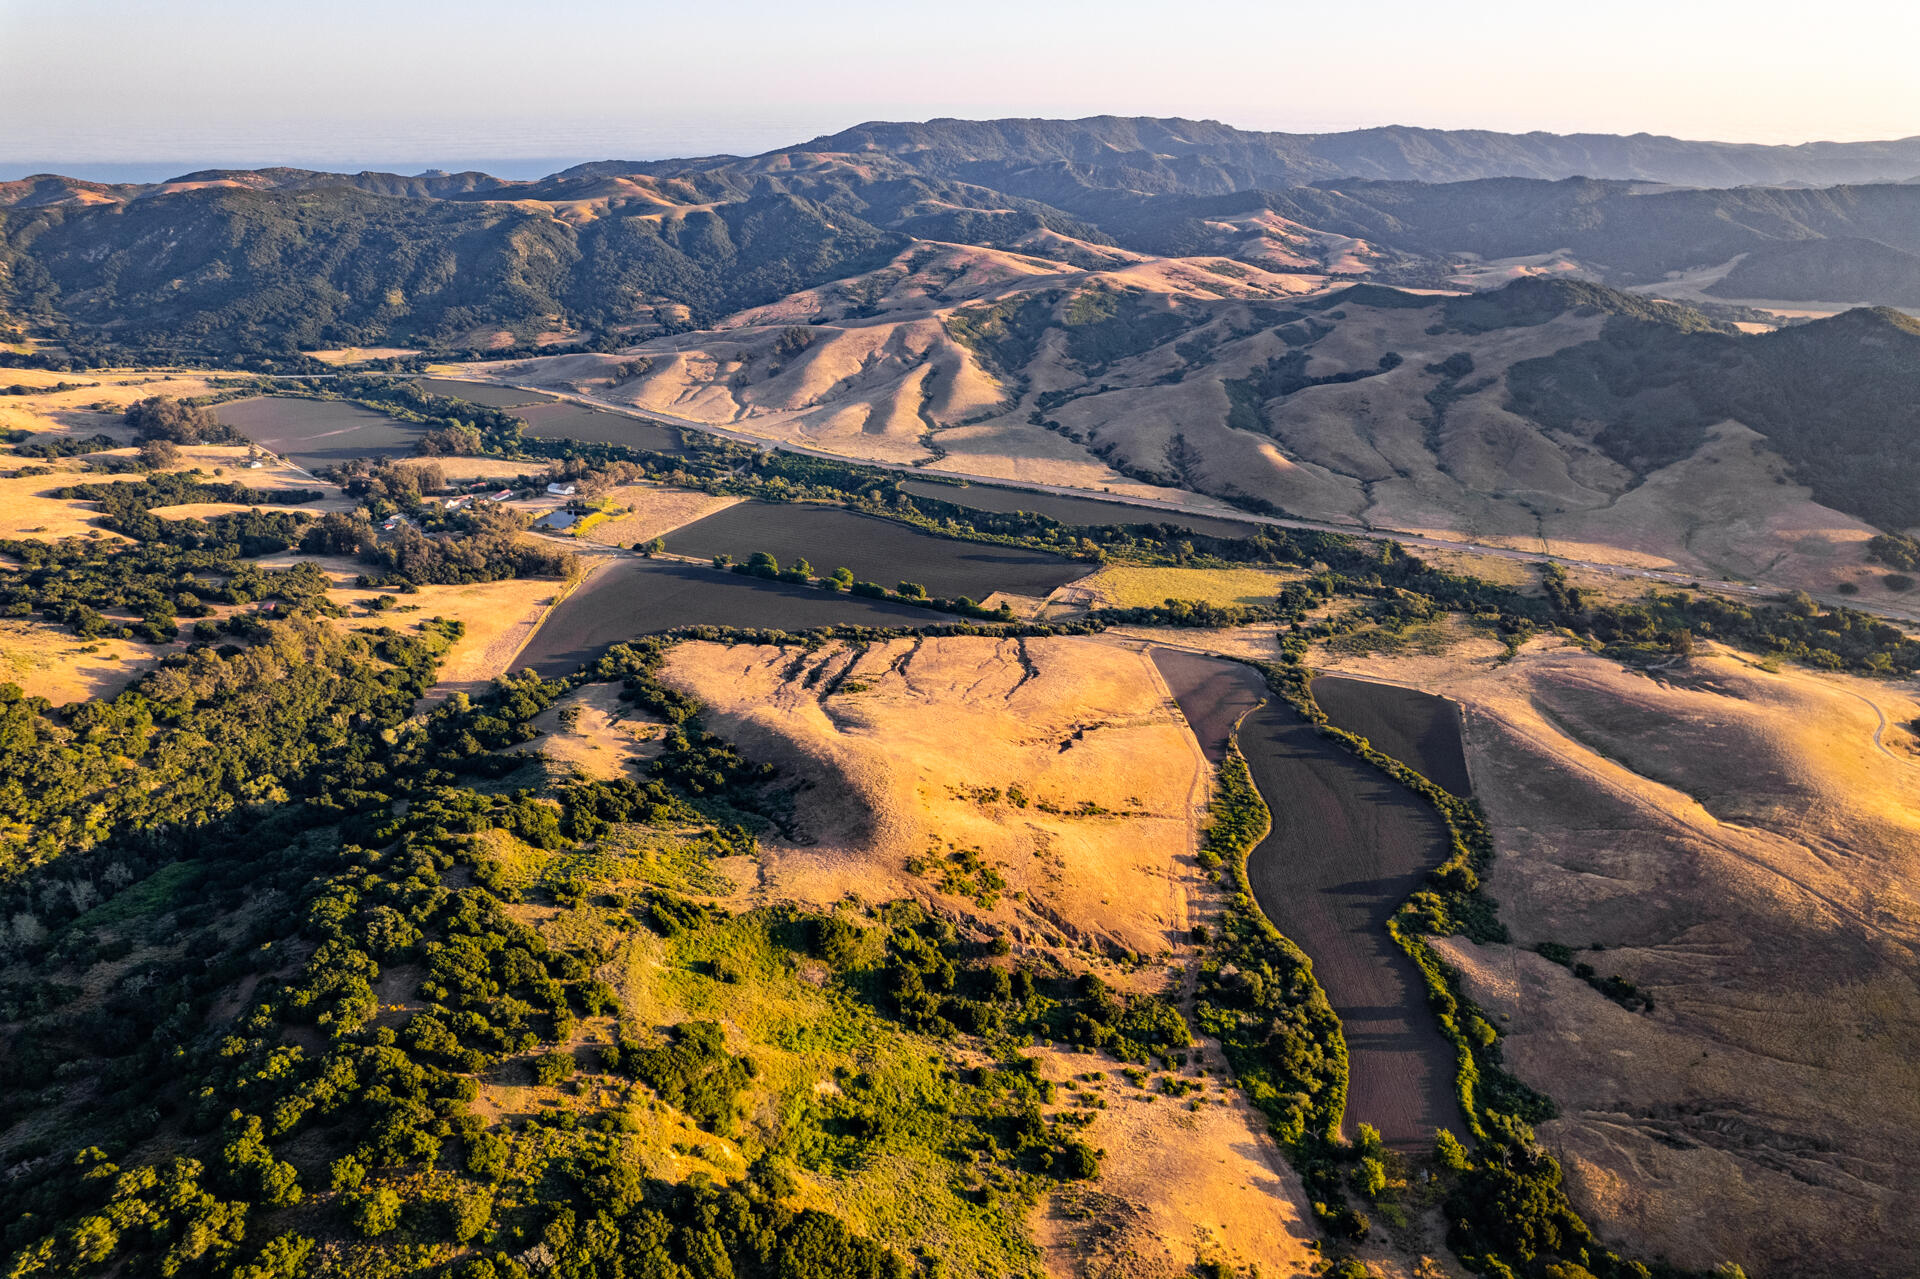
[(246, 260)]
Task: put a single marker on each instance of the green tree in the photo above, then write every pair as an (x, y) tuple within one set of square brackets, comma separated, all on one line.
[(376, 1212), (159, 454)]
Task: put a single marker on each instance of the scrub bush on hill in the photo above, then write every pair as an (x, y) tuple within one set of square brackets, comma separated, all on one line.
[(1840, 639)]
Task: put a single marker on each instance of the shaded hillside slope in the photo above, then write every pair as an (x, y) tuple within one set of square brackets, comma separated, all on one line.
[(275, 259), (1549, 414)]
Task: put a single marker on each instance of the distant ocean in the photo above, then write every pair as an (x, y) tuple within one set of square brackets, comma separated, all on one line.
[(506, 152)]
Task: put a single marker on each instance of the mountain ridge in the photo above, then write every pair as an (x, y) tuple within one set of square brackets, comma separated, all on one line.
[(1393, 152)]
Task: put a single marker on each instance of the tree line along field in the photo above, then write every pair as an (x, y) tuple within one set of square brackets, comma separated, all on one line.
[(1071, 510), (634, 597), (334, 722), (1346, 848), (876, 550)]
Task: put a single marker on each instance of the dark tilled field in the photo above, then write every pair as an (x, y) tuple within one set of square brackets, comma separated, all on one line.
[(318, 433), (1071, 510), (484, 394), (562, 420), (1213, 695), (877, 550), (635, 597), (1419, 729), (1348, 846)]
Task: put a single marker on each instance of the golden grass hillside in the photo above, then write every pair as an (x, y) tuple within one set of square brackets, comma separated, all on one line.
[(871, 368), (1060, 765), (1738, 845), (1057, 763)]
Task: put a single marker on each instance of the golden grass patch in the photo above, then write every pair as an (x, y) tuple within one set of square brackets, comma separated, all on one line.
[(1137, 586), (27, 510), (362, 354), (500, 618), (1183, 1181), (653, 510), (593, 731), (48, 661), (1057, 763)]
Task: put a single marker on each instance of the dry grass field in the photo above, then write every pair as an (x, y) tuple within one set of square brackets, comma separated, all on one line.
[(500, 617), (350, 355), (653, 510), (1181, 1184), (27, 510), (1133, 586), (603, 738), (49, 661), (1060, 762), (1744, 846)]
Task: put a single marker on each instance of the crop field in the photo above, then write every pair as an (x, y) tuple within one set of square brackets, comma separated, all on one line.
[(1418, 729), (562, 420), (1072, 510), (318, 433), (1348, 846), (1213, 695), (637, 597), (877, 550), (484, 394)]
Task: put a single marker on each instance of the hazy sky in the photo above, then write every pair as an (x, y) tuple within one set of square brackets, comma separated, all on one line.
[(357, 83)]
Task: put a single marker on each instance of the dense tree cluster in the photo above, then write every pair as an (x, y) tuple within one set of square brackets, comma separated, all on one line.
[(300, 1126), (1797, 628), (162, 417)]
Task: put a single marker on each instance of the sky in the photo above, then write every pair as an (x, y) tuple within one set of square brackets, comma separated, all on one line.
[(115, 88)]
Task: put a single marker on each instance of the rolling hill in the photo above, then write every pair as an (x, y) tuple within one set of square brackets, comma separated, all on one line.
[(1549, 414), (276, 260)]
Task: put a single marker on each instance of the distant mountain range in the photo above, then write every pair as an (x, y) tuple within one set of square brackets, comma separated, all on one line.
[(275, 260), (1195, 156)]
